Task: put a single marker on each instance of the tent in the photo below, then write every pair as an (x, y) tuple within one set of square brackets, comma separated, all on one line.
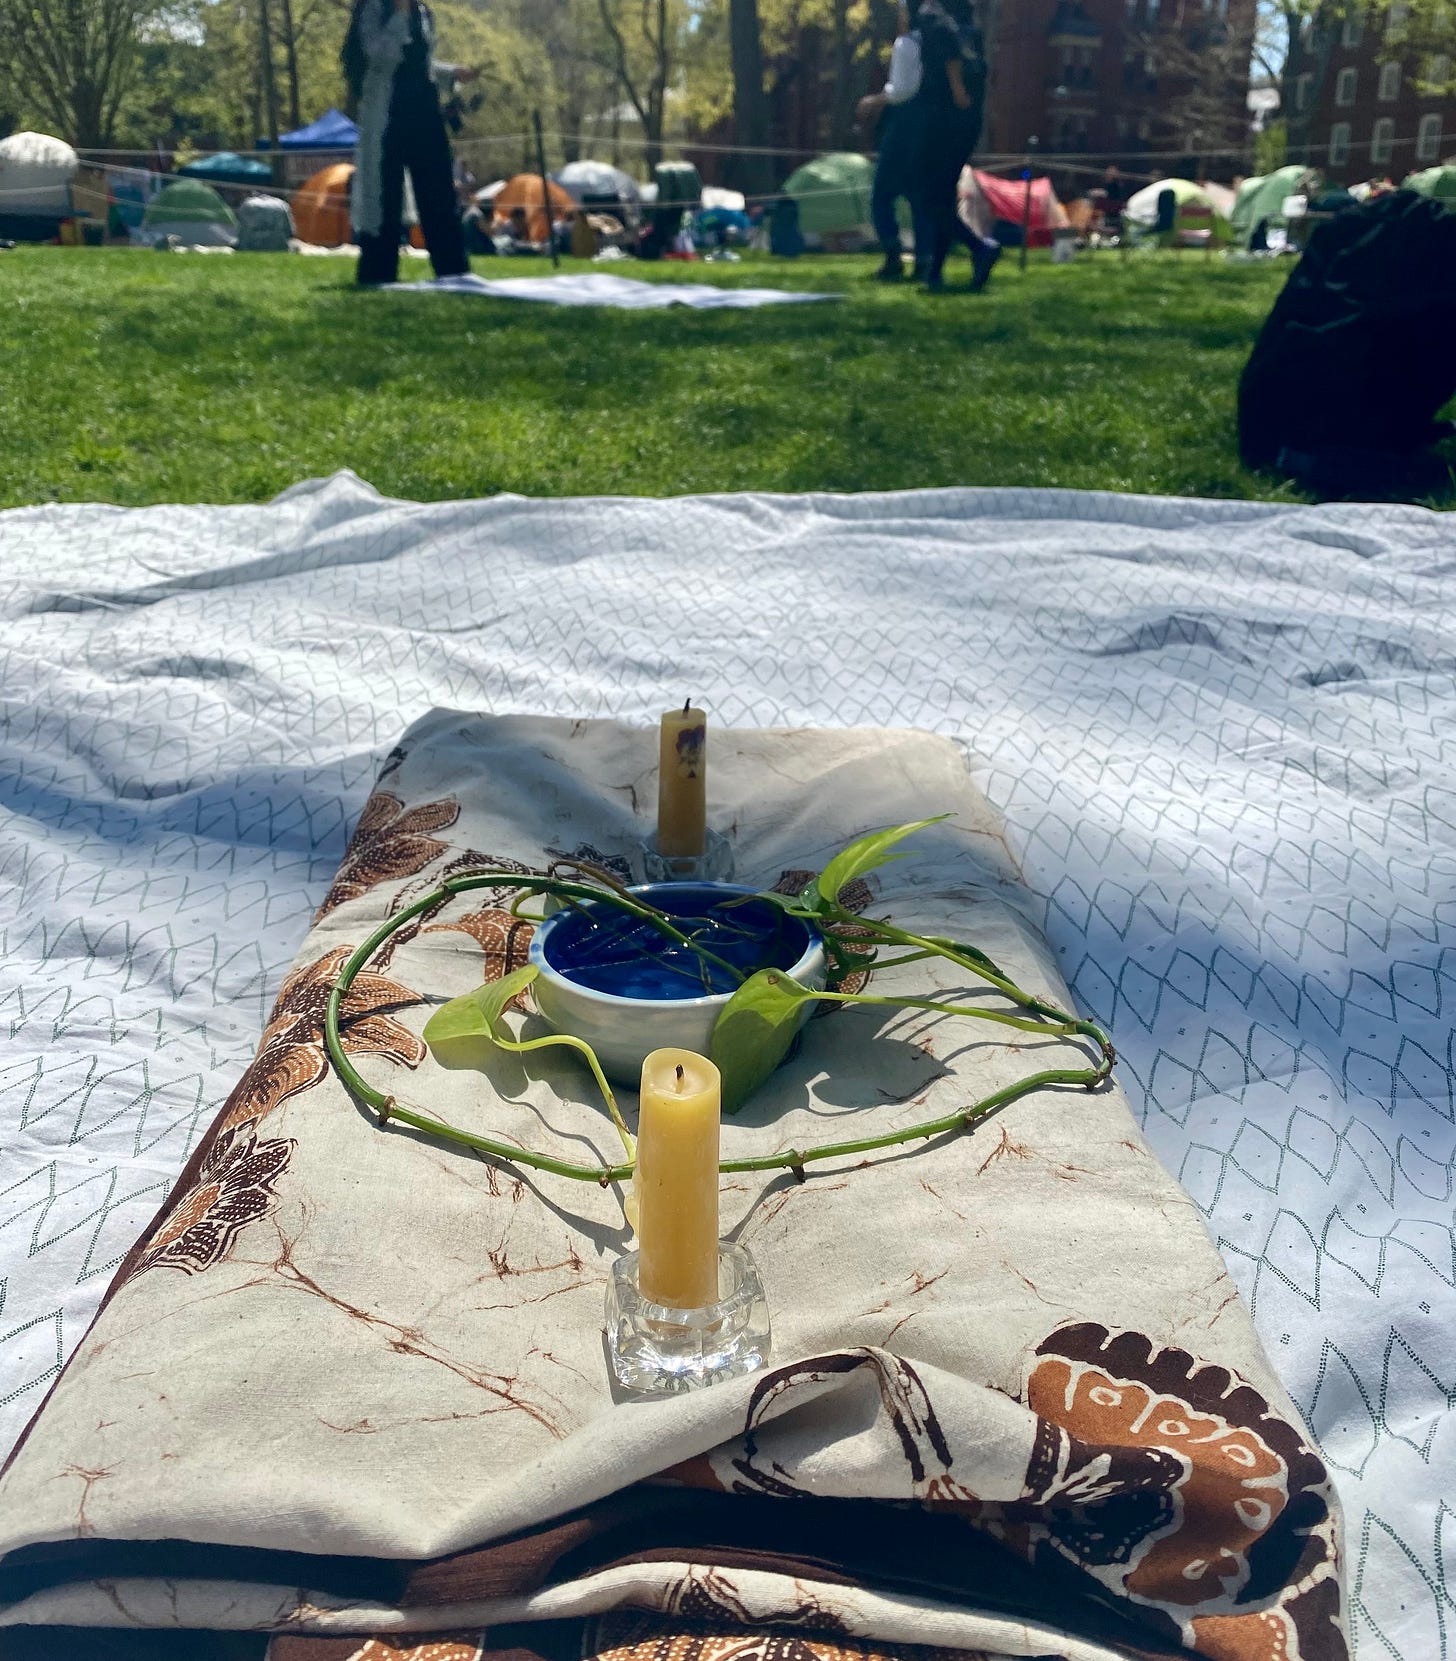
[(35, 185), (833, 194), (1142, 205), (264, 226), (227, 168), (594, 184), (1262, 198), (191, 210), (997, 207), (488, 193), (332, 131), (734, 201), (524, 191), (1437, 182), (321, 207)]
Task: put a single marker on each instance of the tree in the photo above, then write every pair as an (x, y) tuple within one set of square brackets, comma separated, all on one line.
[(73, 61), (751, 172), (646, 89)]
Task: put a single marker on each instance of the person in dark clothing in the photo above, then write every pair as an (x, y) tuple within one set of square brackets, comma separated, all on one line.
[(901, 119), (952, 89), (388, 60), (1353, 365)]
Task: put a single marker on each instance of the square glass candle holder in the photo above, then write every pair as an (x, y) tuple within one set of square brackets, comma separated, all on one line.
[(658, 1350), (714, 864)]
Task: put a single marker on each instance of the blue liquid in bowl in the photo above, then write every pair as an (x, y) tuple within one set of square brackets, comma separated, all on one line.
[(603, 949)]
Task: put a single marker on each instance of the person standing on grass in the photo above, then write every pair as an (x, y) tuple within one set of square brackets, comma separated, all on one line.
[(901, 131), (388, 59), (952, 90)]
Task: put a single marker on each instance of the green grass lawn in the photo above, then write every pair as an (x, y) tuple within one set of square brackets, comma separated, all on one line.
[(131, 377)]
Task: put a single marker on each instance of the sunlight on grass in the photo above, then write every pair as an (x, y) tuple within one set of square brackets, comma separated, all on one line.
[(134, 377)]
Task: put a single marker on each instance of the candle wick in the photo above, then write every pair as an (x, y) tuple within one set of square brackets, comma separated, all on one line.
[(687, 705), (679, 1074)]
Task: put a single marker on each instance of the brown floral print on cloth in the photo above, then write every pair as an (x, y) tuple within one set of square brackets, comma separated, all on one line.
[(855, 896), (904, 1401), (439, 1646), (235, 1187), (1172, 1484), (470, 861), (389, 842), (291, 1056), (503, 938), (632, 1635)]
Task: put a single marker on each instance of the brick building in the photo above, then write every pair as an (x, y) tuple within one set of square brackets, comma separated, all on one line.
[(1161, 79), (1364, 99)]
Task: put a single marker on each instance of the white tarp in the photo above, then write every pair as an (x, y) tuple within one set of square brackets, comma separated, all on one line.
[(1221, 735), (594, 288), (35, 174)]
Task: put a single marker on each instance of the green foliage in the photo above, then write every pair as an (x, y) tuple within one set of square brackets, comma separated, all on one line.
[(477, 1014), (753, 1033), (862, 857), (1271, 147), (134, 377)]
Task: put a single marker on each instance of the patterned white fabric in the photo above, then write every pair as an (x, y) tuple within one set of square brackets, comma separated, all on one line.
[(595, 288), (1221, 734)]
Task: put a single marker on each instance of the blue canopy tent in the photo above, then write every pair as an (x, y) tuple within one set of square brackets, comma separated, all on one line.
[(332, 131), (226, 168)]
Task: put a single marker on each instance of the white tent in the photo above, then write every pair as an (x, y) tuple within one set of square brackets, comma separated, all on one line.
[(35, 175), (595, 184), (714, 196)]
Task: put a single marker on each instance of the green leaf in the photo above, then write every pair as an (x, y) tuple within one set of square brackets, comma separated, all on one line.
[(753, 1032), (862, 856), (477, 1013)]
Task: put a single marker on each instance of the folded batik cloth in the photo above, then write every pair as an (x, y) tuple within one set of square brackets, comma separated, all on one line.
[(349, 1393)]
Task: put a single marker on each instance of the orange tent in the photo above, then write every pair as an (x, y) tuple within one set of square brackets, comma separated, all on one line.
[(321, 207), (524, 191)]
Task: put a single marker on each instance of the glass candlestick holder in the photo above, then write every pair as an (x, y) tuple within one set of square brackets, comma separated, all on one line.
[(658, 1350), (714, 864)]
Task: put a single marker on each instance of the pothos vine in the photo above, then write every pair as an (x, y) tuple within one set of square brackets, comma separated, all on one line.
[(757, 1025)]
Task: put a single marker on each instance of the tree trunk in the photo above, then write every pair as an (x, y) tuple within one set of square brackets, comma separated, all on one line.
[(841, 106), (265, 59), (750, 173), (290, 60)]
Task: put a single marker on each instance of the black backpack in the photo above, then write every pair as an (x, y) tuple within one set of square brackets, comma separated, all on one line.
[(1359, 352)]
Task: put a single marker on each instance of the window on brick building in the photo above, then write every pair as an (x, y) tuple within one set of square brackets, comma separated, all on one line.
[(1437, 73), (1302, 85), (1382, 140), (1428, 138), (1354, 28), (1396, 20), (1389, 89), (1339, 144), (1345, 87)]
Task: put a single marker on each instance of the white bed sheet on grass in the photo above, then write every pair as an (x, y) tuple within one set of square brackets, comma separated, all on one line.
[(597, 288), (1223, 736)]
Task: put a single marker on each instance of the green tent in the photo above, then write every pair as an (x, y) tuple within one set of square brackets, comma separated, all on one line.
[(187, 202), (833, 193), (1438, 182), (1263, 198)]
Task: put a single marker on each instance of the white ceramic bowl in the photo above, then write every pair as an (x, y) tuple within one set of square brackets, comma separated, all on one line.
[(624, 1029)]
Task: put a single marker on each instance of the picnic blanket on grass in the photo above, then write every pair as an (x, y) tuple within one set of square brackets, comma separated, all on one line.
[(596, 288), (1219, 735), (339, 1341)]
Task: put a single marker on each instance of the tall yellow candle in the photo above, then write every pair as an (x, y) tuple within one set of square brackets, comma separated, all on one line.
[(682, 784), (677, 1180)]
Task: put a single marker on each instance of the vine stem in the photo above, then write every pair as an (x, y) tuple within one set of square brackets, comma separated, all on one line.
[(391, 1110)]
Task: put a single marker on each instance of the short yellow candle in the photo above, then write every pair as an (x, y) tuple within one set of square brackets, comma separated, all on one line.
[(677, 1178), (682, 784)]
